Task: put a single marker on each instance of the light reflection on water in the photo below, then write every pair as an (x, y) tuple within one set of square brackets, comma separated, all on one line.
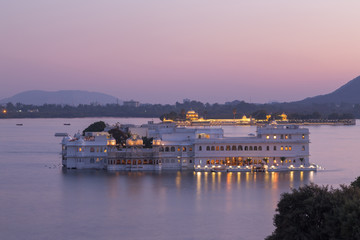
[(39, 200)]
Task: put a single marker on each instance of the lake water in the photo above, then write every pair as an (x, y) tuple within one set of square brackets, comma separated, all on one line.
[(40, 200)]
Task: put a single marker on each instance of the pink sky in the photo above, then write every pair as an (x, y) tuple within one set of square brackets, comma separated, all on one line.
[(162, 51)]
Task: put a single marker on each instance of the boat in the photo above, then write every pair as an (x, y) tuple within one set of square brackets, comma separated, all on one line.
[(67, 124), (19, 124)]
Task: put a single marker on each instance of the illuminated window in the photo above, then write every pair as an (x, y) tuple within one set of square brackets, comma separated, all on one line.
[(105, 150), (286, 136), (303, 148), (217, 148), (184, 161), (190, 149), (281, 148), (303, 136), (290, 148), (217, 162), (227, 148), (80, 149), (208, 161), (179, 149), (184, 149), (267, 137), (221, 148), (274, 136), (286, 148)]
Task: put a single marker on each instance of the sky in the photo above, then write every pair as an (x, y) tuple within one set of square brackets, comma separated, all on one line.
[(163, 51)]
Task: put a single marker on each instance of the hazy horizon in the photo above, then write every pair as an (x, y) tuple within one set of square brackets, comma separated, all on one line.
[(165, 51)]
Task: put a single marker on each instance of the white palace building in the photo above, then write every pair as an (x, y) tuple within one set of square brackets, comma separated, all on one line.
[(273, 148)]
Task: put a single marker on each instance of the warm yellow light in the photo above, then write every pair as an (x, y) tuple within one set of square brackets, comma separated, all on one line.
[(4, 111), (274, 136)]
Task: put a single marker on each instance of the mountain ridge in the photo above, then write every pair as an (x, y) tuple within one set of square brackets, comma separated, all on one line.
[(66, 97)]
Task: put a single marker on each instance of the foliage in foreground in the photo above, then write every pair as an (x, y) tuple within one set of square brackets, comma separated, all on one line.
[(319, 212)]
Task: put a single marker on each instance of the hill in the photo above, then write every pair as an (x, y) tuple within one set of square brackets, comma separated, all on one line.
[(69, 97), (348, 93)]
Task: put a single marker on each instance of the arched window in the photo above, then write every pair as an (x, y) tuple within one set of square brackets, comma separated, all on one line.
[(200, 148), (217, 148), (184, 149), (250, 148), (233, 148), (267, 148), (260, 148), (221, 148), (240, 148), (161, 149), (255, 148), (172, 149), (139, 162), (227, 148), (212, 148), (166, 149), (246, 148), (207, 148)]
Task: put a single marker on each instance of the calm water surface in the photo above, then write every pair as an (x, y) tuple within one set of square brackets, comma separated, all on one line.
[(40, 200)]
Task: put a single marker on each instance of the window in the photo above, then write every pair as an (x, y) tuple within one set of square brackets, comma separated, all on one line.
[(290, 148), (227, 148), (281, 148), (221, 148), (255, 148), (260, 148), (286, 136), (286, 148), (166, 149), (274, 136), (91, 160), (207, 148), (179, 149), (172, 149), (190, 161), (200, 148), (184, 149), (233, 148), (246, 148), (282, 136), (208, 161), (303, 148), (190, 149), (139, 162), (184, 161), (217, 162), (250, 148), (240, 148), (303, 136), (217, 148), (79, 149), (267, 148), (274, 148), (212, 148), (267, 137), (161, 149), (92, 149)]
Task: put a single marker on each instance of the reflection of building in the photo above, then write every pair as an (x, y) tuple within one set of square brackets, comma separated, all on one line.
[(131, 103), (275, 148)]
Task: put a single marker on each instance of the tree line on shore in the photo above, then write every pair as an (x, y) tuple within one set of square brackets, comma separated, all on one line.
[(319, 212), (235, 109)]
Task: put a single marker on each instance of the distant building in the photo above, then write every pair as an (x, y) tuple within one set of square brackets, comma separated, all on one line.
[(131, 103)]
